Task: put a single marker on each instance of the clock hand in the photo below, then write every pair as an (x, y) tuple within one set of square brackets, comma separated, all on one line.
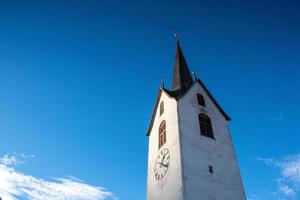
[(165, 165), (163, 158)]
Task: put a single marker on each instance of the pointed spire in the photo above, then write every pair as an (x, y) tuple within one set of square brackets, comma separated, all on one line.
[(182, 79)]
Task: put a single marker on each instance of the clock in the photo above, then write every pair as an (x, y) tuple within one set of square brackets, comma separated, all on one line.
[(162, 164)]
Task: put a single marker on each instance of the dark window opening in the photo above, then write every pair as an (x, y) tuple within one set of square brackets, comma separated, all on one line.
[(161, 108), (210, 169), (162, 134), (205, 126), (200, 99)]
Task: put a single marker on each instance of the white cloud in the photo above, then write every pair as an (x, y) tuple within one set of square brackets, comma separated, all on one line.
[(287, 190), (9, 160), (14, 184), (289, 178), (291, 168)]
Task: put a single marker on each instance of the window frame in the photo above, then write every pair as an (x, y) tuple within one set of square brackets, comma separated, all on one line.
[(162, 134), (161, 108), (200, 100), (205, 124)]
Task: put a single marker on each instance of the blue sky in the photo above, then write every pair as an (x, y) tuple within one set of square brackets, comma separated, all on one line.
[(78, 81)]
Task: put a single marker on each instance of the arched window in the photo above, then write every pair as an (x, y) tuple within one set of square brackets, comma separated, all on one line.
[(205, 126), (161, 108), (200, 99), (162, 134)]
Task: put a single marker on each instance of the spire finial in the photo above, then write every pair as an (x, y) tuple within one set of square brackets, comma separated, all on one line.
[(176, 34), (195, 75), (162, 83)]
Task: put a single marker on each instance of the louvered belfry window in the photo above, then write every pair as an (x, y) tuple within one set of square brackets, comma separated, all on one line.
[(205, 126), (162, 134)]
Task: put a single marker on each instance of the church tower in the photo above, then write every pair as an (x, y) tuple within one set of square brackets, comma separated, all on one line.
[(191, 154)]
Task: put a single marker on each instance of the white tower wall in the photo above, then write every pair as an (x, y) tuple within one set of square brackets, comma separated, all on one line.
[(170, 187), (198, 152)]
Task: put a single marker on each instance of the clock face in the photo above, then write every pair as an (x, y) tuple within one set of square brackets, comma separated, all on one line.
[(162, 164)]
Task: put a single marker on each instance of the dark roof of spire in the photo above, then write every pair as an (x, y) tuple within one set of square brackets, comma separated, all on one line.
[(182, 79), (182, 82)]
